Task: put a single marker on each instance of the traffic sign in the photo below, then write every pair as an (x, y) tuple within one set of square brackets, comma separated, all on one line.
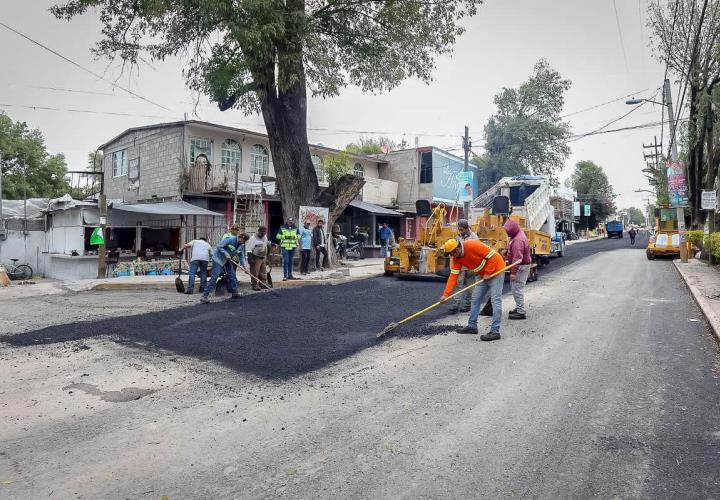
[(708, 200), (587, 210)]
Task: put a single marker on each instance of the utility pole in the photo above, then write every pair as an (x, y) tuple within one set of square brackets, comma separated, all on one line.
[(2, 222), (466, 168), (674, 157), (102, 206), (235, 194)]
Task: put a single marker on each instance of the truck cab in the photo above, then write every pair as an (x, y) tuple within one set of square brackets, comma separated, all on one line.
[(666, 237)]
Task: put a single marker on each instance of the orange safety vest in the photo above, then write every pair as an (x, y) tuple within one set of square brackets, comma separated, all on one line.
[(478, 258)]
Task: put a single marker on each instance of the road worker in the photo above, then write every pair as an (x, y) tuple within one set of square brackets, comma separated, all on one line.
[(466, 278), (289, 239), (228, 249), (483, 261)]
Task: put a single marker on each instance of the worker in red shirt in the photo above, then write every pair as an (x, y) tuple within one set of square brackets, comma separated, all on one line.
[(482, 260), (518, 250)]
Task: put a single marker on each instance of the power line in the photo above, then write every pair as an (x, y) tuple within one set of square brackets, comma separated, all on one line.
[(96, 75), (622, 42), (85, 111), (632, 94)]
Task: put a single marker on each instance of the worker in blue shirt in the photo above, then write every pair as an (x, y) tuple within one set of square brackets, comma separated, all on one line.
[(385, 235), (231, 247), (305, 247)]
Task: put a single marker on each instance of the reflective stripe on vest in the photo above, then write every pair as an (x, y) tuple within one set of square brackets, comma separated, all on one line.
[(288, 238), (227, 235), (454, 271), (484, 261)]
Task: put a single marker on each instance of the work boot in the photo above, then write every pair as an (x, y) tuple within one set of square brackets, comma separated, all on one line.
[(189, 292), (293, 278), (235, 296), (468, 329), (516, 315), (513, 311), (490, 336), (285, 279), (204, 300)]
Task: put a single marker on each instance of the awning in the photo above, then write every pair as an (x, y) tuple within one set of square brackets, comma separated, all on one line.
[(165, 208), (375, 209)]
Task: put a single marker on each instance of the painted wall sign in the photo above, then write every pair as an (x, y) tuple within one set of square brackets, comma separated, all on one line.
[(677, 183)]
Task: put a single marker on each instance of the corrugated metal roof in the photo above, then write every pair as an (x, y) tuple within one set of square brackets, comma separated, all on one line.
[(375, 209), (165, 208)]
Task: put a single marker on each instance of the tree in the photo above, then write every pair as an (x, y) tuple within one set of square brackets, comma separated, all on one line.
[(635, 216), (594, 189), (374, 145), (527, 134), (27, 168), (336, 166), (264, 55), (687, 36)]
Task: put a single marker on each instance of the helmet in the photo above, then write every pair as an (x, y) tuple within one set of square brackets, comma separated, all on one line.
[(450, 245)]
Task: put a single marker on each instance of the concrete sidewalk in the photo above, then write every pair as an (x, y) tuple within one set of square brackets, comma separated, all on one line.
[(583, 240), (703, 281), (351, 270)]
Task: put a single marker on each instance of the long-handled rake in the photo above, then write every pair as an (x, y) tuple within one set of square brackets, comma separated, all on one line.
[(394, 325), (257, 280)]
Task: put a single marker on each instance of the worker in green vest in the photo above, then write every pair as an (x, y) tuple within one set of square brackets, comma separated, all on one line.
[(289, 239)]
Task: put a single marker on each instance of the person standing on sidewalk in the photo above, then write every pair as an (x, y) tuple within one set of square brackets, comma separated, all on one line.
[(229, 248), (319, 243), (199, 258), (483, 261), (385, 235), (518, 250), (288, 238), (305, 247), (466, 278), (258, 248)]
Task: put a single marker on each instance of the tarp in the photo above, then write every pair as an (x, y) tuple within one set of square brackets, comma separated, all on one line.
[(13, 209), (253, 188), (375, 209), (165, 208)]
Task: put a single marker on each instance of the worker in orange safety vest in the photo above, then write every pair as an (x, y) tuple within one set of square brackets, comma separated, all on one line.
[(482, 260)]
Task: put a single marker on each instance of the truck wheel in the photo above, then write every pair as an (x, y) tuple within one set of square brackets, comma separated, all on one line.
[(650, 255), (559, 253)]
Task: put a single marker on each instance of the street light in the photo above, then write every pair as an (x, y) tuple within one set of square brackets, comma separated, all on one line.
[(635, 100)]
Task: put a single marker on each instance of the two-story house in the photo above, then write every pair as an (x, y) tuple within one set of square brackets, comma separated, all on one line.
[(197, 162)]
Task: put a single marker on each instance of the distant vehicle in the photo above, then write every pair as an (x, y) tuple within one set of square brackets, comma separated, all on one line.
[(614, 228)]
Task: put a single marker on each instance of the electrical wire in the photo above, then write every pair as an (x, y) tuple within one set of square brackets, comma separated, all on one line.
[(622, 42), (77, 65), (632, 94)]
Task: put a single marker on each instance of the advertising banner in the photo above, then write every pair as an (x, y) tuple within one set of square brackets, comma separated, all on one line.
[(677, 183), (450, 183), (708, 199), (313, 214), (576, 209)]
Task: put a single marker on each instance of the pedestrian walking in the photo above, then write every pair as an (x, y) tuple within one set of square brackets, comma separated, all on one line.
[(258, 249), (199, 257), (518, 250), (632, 233), (288, 238), (229, 248), (305, 247), (385, 234), (466, 278), (483, 261), (319, 243)]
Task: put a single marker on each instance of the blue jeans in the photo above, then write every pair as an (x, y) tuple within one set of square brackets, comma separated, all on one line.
[(494, 287), (287, 256), (230, 276), (384, 248), (196, 265)]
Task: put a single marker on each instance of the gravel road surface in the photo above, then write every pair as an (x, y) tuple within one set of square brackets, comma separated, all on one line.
[(609, 389)]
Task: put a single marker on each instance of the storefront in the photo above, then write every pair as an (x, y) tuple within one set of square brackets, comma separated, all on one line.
[(369, 218)]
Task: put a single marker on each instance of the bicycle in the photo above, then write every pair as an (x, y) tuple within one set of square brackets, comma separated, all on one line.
[(22, 272)]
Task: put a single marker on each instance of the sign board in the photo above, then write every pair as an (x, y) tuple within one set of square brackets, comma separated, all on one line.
[(677, 183), (465, 186), (313, 214), (708, 199), (449, 179), (576, 209), (587, 210)]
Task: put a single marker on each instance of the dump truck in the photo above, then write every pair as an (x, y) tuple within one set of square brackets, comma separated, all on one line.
[(614, 228)]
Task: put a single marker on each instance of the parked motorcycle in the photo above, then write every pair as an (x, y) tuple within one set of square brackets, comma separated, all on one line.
[(349, 249)]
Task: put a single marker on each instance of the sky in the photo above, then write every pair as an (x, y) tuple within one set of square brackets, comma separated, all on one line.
[(606, 56)]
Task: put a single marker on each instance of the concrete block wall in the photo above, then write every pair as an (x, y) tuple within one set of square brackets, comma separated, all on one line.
[(160, 152), (403, 168)]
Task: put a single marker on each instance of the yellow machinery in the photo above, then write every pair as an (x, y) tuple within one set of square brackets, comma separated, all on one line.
[(423, 257), (666, 240)]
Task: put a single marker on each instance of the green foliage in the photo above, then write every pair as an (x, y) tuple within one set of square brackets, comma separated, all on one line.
[(527, 134), (235, 46), (696, 236), (711, 244), (27, 168), (636, 216), (374, 145), (337, 165), (593, 187)]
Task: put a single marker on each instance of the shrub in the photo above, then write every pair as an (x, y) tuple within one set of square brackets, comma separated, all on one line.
[(712, 244), (695, 236)]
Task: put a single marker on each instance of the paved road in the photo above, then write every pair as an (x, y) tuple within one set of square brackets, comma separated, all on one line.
[(610, 389)]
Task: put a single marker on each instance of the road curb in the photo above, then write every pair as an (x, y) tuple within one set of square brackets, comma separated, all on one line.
[(710, 310)]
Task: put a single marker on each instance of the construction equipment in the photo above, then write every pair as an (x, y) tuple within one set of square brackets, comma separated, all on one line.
[(422, 258), (394, 325), (666, 240)]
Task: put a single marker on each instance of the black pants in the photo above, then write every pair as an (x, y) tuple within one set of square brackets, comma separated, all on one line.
[(318, 252), (304, 261)]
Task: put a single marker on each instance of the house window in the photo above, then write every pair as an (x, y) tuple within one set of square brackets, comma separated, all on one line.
[(120, 163), (198, 146), (426, 168), (319, 168), (359, 171), (259, 160), (230, 155)]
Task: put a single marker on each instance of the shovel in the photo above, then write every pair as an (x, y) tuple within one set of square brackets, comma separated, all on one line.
[(258, 280), (179, 285), (394, 325)]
